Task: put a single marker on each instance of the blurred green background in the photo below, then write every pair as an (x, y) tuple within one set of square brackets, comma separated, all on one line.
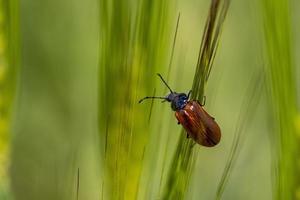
[(71, 75)]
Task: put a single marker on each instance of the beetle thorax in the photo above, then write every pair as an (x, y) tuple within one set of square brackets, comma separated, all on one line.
[(178, 101)]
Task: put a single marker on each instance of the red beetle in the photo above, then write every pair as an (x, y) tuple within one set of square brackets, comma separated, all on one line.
[(200, 126)]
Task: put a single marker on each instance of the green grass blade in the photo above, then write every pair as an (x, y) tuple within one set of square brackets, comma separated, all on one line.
[(173, 46), (183, 161), (9, 64), (132, 47), (248, 109), (281, 86), (209, 45)]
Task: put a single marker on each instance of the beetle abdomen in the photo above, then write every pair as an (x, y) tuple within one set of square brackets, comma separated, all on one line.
[(199, 124)]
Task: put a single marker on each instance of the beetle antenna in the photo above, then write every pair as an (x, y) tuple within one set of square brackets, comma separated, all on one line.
[(140, 101), (164, 82)]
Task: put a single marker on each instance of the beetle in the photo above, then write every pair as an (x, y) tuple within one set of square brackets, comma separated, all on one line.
[(199, 125)]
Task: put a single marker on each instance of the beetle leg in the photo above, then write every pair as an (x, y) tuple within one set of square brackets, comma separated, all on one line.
[(189, 94), (178, 123), (204, 100)]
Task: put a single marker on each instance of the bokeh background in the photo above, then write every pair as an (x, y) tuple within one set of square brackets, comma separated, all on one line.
[(71, 75)]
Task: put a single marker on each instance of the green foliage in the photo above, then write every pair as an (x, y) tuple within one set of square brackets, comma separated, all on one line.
[(9, 65), (79, 132), (132, 45), (184, 160), (245, 118), (281, 84)]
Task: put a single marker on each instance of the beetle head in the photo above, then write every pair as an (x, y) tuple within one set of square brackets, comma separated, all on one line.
[(177, 100)]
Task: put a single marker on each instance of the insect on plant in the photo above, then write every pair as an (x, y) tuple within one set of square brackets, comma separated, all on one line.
[(200, 126)]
